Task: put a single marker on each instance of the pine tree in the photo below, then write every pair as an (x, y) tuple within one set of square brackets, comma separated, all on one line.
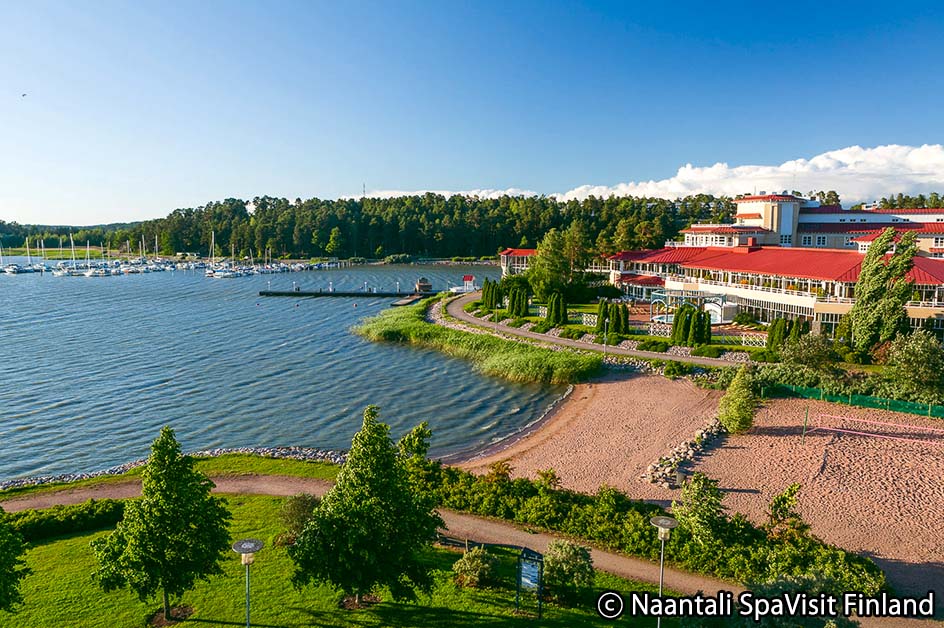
[(373, 527), (676, 326), (614, 319), (176, 534), (601, 316), (694, 329), (624, 314), (12, 566), (706, 330)]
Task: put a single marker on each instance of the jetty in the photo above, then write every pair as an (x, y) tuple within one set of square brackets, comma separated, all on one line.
[(403, 298)]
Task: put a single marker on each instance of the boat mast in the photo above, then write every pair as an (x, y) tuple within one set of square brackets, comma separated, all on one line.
[(29, 259), (72, 246)]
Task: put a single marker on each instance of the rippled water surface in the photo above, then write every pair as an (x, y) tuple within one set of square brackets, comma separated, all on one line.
[(93, 367)]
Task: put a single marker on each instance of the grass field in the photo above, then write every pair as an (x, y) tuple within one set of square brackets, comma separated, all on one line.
[(228, 464), (60, 591)]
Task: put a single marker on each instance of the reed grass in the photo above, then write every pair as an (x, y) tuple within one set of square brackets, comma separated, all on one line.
[(512, 360)]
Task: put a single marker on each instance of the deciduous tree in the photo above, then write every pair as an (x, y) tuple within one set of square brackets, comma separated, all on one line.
[(173, 536), (12, 566)]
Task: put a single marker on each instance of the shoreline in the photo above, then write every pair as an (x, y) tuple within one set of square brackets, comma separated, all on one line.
[(506, 442)]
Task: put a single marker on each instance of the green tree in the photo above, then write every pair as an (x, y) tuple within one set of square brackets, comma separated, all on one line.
[(568, 569), (173, 536), (736, 408), (812, 350), (700, 510), (370, 529), (915, 367), (783, 520), (335, 246), (602, 313), (12, 566), (882, 290)]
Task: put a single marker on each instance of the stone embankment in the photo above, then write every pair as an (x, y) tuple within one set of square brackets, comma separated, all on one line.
[(664, 472), (290, 453)]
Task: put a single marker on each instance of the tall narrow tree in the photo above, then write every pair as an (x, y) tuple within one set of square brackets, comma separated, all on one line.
[(370, 529)]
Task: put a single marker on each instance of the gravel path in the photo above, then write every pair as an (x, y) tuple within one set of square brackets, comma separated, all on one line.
[(457, 525), (454, 308)]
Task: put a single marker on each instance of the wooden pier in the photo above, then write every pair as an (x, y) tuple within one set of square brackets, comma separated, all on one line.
[(403, 298)]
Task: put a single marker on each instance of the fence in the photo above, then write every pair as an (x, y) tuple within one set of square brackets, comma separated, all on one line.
[(862, 401)]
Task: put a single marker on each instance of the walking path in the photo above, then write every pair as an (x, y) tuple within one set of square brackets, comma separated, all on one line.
[(454, 309), (457, 525)]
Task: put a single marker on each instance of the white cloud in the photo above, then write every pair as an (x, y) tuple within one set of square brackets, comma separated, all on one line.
[(858, 174)]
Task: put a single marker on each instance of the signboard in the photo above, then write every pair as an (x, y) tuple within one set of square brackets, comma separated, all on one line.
[(530, 575)]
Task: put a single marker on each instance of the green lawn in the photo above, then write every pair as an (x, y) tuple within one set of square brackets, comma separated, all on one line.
[(228, 464), (60, 591)]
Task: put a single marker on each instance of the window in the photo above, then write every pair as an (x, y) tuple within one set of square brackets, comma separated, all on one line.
[(820, 240), (786, 240), (806, 241), (842, 220), (938, 242), (849, 241), (937, 255)]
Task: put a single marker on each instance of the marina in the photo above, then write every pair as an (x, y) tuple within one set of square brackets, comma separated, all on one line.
[(226, 367)]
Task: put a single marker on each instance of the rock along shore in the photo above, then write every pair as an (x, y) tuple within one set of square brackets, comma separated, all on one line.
[(291, 453)]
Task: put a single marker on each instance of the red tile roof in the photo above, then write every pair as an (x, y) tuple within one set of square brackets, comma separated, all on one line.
[(519, 252), (641, 280), (920, 210), (749, 216), (837, 209), (872, 235), (927, 271), (768, 197), (468, 278), (672, 255)]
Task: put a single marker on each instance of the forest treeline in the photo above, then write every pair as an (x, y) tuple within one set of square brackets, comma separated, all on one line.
[(428, 226)]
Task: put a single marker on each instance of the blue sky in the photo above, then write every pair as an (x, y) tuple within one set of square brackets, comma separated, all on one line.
[(134, 109)]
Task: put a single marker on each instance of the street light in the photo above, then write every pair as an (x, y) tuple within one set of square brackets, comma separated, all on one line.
[(247, 549), (665, 525)]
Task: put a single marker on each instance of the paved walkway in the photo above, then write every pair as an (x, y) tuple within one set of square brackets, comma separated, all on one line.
[(458, 525), (454, 308)]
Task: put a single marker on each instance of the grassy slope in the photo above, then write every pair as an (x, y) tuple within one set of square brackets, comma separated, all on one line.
[(516, 361), (61, 593), (228, 464)]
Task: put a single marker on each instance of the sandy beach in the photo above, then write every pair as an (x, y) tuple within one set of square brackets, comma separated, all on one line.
[(883, 497)]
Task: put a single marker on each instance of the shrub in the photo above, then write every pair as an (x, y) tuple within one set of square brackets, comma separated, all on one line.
[(94, 514), (518, 322), (542, 327), (745, 318), (476, 568), (294, 514), (708, 351), (398, 258), (736, 408), (812, 350), (572, 333), (700, 511), (765, 355), (676, 369), (568, 570), (659, 346)]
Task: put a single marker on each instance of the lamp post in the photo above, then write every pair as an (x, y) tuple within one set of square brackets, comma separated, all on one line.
[(247, 549), (665, 525), (606, 333)]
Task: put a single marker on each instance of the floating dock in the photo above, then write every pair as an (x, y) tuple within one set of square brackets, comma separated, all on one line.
[(404, 298)]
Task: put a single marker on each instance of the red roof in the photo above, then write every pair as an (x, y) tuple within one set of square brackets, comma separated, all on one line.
[(823, 264), (672, 255), (641, 280), (920, 210), (626, 256), (468, 278), (519, 252), (874, 235), (768, 197), (818, 264), (749, 216), (723, 229)]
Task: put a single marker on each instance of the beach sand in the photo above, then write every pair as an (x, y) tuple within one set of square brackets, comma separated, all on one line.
[(880, 497), (608, 432)]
